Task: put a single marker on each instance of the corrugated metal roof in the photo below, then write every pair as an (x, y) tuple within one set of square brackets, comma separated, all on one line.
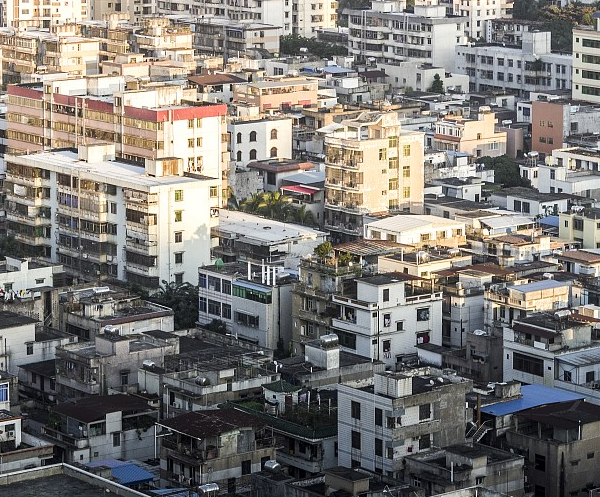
[(126, 473), (533, 396)]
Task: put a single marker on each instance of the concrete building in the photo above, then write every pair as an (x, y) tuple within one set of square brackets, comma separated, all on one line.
[(420, 76), (586, 44), (77, 216), (251, 307), (354, 188), (529, 68), (387, 33), (464, 466), (475, 137), (25, 341), (531, 202), (233, 443), (215, 88), (418, 230), (480, 16), (275, 171), (400, 415), (87, 312), (560, 443), (37, 383), (154, 123), (573, 171), (278, 94), (580, 226), (249, 238), (39, 15), (102, 427), (388, 317)]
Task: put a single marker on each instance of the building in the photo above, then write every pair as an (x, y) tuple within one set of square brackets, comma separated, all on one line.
[(531, 202), (559, 442), (479, 18), (581, 227), (388, 316), (354, 187), (420, 76), (251, 307), (39, 15), (278, 94), (37, 382), (109, 362), (418, 230), (156, 122), (387, 33), (233, 443), (89, 311), (475, 137), (585, 52), (160, 38), (250, 238), (76, 214), (463, 466), (102, 427), (400, 415), (532, 67), (215, 88), (25, 341), (572, 171)]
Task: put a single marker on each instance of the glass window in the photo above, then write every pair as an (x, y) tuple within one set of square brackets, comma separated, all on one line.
[(178, 195), (178, 216)]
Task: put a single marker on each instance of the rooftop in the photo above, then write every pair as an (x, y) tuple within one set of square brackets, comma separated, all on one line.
[(409, 222), (281, 165), (532, 194), (10, 319), (55, 486), (564, 415), (95, 408), (366, 247), (211, 422)]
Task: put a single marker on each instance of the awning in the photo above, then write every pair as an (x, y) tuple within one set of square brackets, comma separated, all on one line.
[(306, 190)]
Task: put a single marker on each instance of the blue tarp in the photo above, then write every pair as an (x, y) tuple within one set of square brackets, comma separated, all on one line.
[(126, 473), (533, 396)]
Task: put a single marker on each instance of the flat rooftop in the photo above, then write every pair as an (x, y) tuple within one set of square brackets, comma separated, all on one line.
[(53, 486)]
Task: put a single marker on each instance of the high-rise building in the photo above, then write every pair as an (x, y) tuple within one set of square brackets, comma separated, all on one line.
[(586, 57), (21, 14), (372, 167)]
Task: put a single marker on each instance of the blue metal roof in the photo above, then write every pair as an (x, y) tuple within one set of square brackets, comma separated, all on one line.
[(183, 492), (533, 396), (126, 473), (549, 221)]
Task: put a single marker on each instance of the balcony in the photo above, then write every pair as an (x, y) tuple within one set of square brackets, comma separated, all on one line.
[(147, 247), (63, 439), (314, 316)]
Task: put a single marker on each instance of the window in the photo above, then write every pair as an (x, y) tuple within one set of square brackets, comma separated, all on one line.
[(4, 392), (30, 349), (202, 304), (190, 123), (253, 136), (406, 151), (273, 152), (390, 422), (424, 411), (590, 455), (178, 257), (589, 376), (214, 307), (389, 453), (356, 439), (178, 236), (190, 143), (386, 294), (540, 462), (199, 141), (178, 216), (378, 417), (387, 320), (178, 278), (273, 134), (355, 409), (238, 138), (399, 325), (246, 467), (202, 280), (252, 154), (567, 376), (214, 191), (379, 447), (238, 156), (226, 311), (528, 364), (226, 287), (424, 442), (125, 377), (178, 195), (116, 439), (423, 314), (479, 480)]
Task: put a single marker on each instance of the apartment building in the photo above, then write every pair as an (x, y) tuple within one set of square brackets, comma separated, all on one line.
[(529, 68), (581, 226), (114, 32), (372, 166), (102, 218), (222, 36), (572, 171), (387, 33), (477, 137), (400, 415), (278, 94), (102, 427), (156, 122), (232, 443), (586, 53), (388, 317), (529, 201), (509, 31), (480, 14), (420, 76), (39, 14), (255, 307), (24, 53), (110, 361)]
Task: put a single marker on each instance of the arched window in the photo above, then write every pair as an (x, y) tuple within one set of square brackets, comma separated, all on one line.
[(274, 152), (253, 136), (252, 154), (273, 134), (239, 138), (239, 156)]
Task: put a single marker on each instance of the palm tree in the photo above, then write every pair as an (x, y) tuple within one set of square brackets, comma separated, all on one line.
[(275, 206), (232, 202), (303, 216), (183, 299), (252, 203)]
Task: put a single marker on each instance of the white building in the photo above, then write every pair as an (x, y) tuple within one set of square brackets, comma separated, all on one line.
[(390, 315), (23, 276), (479, 13), (531, 202), (419, 76), (531, 68), (586, 50), (387, 33), (39, 14), (570, 170), (113, 219)]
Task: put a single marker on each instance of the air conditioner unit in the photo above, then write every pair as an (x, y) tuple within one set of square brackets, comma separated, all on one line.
[(10, 434), (175, 405)]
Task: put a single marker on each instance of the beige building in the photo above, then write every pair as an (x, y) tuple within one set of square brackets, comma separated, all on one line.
[(278, 94), (26, 14), (477, 137), (586, 57), (372, 167), (581, 226)]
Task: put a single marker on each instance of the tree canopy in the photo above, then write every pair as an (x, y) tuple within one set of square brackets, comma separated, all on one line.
[(506, 171), (438, 85), (276, 206), (291, 45), (183, 299)]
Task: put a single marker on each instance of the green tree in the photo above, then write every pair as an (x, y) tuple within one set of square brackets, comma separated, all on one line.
[(183, 299), (274, 205), (252, 203), (291, 45), (232, 202), (302, 216), (506, 171), (323, 250), (9, 246), (438, 85)]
